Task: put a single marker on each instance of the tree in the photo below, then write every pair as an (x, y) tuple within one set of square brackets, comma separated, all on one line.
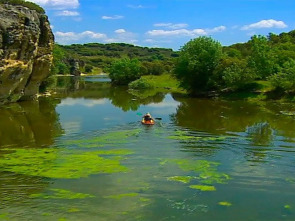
[(196, 63), (285, 78), (124, 71), (262, 59)]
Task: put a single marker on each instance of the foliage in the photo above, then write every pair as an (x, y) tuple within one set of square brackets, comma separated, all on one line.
[(102, 55), (197, 63), (162, 83), (88, 68), (60, 66), (154, 68), (141, 83), (285, 78), (233, 73), (27, 4), (123, 71), (262, 57)]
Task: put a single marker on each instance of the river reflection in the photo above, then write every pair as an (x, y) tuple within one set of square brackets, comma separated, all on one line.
[(33, 123), (221, 117), (83, 154)]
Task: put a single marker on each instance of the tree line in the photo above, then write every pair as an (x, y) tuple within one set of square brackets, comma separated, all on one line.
[(202, 65)]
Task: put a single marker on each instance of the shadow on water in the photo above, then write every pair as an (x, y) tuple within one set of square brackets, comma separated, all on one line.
[(33, 124), (220, 117)]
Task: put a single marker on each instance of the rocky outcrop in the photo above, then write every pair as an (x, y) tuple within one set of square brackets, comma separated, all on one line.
[(26, 44)]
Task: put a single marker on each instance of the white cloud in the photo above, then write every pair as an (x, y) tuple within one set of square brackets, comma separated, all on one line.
[(185, 32), (120, 31), (171, 25), (58, 4), (122, 36), (271, 23), (72, 37), (115, 17), (67, 13)]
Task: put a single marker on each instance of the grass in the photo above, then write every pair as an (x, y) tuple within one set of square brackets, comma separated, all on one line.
[(164, 83)]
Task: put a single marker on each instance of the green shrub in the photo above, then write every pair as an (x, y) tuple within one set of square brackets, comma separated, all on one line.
[(285, 78), (124, 71), (140, 84), (29, 5), (88, 68)]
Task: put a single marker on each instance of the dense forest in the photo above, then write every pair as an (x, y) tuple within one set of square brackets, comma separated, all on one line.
[(202, 66)]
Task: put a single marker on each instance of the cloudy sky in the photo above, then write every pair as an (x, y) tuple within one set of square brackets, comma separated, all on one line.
[(166, 23)]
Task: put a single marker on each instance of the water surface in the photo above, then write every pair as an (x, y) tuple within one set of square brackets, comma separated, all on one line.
[(83, 155)]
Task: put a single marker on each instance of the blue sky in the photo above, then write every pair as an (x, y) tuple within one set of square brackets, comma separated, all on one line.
[(166, 23)]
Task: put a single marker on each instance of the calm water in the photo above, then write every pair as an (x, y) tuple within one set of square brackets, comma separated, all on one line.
[(83, 155)]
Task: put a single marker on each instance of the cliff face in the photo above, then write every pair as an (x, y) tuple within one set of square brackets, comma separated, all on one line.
[(26, 44)]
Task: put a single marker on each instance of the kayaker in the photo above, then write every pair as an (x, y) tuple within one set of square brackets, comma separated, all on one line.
[(147, 117)]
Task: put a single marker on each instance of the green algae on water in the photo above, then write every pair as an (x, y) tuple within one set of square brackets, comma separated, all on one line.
[(66, 164), (62, 194), (4, 216), (207, 170), (182, 179), (224, 203), (73, 210), (120, 196), (203, 187), (184, 136), (113, 137)]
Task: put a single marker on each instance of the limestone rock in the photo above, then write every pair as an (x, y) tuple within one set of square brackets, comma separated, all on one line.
[(26, 44)]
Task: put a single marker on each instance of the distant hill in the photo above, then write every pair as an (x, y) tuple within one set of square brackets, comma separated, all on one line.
[(102, 55)]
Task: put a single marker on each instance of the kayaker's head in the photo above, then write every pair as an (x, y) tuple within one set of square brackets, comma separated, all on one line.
[(148, 114)]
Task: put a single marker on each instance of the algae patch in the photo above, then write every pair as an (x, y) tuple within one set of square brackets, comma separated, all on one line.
[(101, 140), (182, 179), (224, 203), (207, 170), (66, 164), (203, 187), (185, 136), (62, 194)]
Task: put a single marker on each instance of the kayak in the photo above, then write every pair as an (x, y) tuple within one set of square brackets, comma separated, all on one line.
[(148, 122)]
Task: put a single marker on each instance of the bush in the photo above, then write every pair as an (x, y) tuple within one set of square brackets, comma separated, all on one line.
[(285, 78), (88, 68), (29, 5), (197, 62), (124, 71), (140, 84)]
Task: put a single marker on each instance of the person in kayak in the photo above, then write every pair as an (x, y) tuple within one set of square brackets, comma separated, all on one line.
[(147, 117)]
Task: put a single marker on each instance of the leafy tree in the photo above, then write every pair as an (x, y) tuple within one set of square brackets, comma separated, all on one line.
[(285, 78), (59, 65), (232, 73), (196, 64), (262, 59), (124, 71)]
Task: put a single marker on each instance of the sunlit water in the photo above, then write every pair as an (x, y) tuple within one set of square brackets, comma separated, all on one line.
[(83, 155)]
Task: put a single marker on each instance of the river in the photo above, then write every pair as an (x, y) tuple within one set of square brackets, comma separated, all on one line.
[(82, 154)]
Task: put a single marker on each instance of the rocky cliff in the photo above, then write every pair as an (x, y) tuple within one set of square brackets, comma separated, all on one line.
[(26, 44)]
